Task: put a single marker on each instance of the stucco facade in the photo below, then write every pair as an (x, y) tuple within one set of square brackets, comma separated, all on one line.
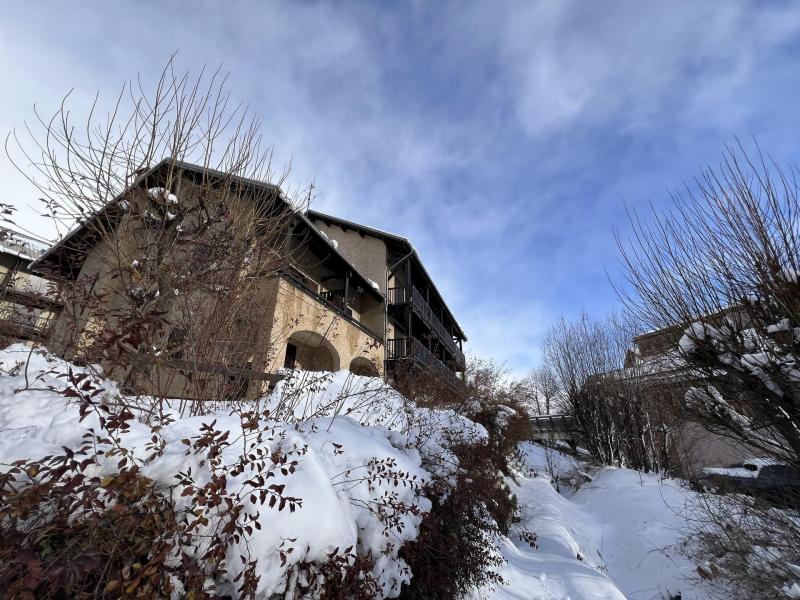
[(325, 339), (366, 252), (257, 290)]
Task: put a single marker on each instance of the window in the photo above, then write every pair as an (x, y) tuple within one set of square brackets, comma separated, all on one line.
[(291, 356)]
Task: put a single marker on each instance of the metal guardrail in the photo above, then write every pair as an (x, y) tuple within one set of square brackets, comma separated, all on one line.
[(411, 295), (548, 423)]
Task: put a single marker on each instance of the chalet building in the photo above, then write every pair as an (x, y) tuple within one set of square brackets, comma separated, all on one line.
[(28, 306), (420, 328), (334, 298)]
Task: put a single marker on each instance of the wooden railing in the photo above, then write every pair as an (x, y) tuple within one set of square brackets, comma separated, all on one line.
[(336, 298), (17, 322), (409, 347), (411, 295)]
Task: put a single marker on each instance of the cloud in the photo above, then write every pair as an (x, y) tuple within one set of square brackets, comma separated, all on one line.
[(501, 138), (572, 66)]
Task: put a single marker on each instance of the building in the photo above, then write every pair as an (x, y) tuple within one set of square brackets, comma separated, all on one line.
[(421, 331), (655, 359), (321, 301), (28, 306)]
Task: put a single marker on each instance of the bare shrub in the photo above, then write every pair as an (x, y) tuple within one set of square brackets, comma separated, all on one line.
[(454, 552), (174, 290)]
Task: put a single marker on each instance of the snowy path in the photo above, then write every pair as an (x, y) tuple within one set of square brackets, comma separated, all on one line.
[(616, 537)]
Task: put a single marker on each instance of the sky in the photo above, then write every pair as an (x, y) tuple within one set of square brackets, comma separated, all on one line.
[(505, 139)]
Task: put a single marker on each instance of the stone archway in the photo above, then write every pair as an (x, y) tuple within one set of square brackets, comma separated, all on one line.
[(361, 365), (310, 351)]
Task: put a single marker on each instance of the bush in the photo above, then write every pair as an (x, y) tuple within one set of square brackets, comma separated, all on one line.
[(454, 552)]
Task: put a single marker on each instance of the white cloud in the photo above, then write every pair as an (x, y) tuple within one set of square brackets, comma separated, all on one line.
[(573, 65), (500, 137)]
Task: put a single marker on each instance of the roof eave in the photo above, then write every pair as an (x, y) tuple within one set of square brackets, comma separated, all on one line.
[(394, 237)]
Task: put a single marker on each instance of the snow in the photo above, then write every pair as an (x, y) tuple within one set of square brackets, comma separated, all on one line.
[(373, 284), (793, 591), (782, 325), (610, 534), (618, 536), (21, 245), (341, 428), (730, 471), (159, 193), (643, 521), (371, 402), (697, 332), (545, 460), (748, 468)]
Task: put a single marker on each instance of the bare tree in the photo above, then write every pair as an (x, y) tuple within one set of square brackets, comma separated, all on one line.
[(619, 418), (720, 271), (177, 260), (546, 387)]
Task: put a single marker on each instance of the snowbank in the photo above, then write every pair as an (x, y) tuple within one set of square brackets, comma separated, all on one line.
[(359, 445), (619, 536), (368, 400)]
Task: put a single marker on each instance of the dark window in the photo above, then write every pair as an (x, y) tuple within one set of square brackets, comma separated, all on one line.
[(291, 356)]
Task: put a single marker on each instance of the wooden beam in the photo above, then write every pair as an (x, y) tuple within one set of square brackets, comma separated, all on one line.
[(399, 263)]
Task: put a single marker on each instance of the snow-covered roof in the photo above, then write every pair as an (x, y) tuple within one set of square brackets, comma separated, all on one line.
[(21, 245)]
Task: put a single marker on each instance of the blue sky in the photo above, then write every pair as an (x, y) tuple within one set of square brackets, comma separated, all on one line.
[(503, 138)]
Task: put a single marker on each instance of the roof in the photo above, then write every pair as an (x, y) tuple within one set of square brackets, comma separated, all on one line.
[(106, 212), (385, 235), (680, 327), (22, 246), (82, 229)]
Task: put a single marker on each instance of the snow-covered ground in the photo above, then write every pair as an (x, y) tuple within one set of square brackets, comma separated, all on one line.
[(601, 533), (618, 536), (361, 450)]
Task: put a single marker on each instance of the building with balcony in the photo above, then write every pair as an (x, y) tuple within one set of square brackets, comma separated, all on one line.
[(28, 305), (421, 331), (334, 296), (307, 307)]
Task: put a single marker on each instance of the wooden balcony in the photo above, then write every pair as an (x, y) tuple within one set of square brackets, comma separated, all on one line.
[(411, 348), (412, 296), (21, 325), (336, 299), (331, 299)]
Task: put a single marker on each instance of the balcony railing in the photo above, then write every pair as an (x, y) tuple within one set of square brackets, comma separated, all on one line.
[(336, 299), (411, 295), (408, 347), (23, 322)]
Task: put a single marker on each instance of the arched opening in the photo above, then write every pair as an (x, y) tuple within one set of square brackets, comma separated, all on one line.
[(361, 365), (310, 351)]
